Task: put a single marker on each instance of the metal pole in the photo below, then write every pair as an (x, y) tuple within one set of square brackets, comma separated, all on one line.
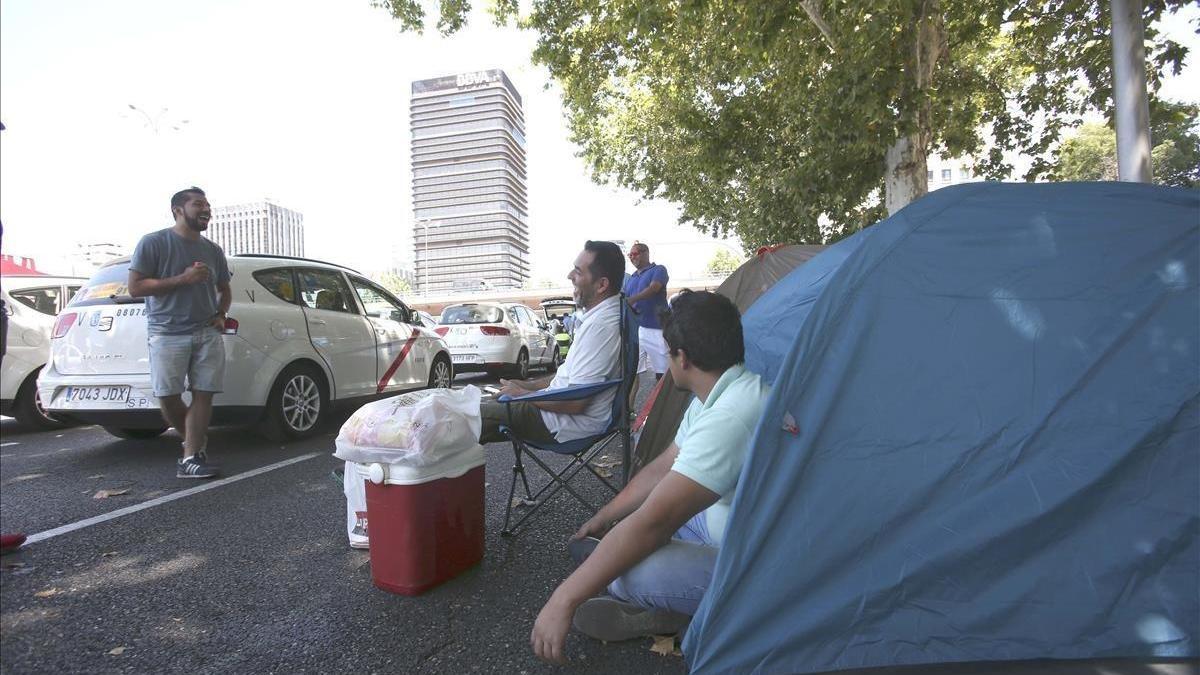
[(1129, 91)]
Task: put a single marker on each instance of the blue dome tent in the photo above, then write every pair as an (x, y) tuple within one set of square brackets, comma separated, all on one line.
[(983, 442)]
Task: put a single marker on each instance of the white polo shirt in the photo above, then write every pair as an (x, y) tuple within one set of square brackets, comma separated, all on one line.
[(594, 357)]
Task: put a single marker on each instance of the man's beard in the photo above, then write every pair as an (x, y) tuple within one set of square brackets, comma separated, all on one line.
[(194, 224), (584, 297)]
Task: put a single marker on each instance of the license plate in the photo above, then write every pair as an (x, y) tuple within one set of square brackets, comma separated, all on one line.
[(464, 358), (110, 394)]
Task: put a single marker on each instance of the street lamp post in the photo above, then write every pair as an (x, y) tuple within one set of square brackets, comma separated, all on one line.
[(153, 122), (1132, 109)]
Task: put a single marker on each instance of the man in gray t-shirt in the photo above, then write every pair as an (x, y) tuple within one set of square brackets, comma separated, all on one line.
[(185, 280)]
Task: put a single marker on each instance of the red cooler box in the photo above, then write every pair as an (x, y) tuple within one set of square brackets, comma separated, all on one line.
[(425, 522)]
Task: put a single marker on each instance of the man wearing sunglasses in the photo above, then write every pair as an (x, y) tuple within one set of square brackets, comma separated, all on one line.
[(646, 292)]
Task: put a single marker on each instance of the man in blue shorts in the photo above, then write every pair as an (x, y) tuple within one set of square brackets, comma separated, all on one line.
[(646, 292), (661, 534), (185, 280)]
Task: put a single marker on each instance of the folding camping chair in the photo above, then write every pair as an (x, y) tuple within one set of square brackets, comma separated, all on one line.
[(582, 451)]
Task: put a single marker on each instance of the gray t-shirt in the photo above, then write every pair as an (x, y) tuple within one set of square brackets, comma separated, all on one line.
[(186, 309)]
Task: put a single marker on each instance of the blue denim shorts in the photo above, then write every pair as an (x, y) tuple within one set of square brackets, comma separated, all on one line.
[(200, 357)]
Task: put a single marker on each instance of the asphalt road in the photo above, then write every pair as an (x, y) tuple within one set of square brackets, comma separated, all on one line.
[(255, 575)]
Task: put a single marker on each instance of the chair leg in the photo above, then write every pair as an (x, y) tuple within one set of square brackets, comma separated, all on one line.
[(518, 469), (559, 481)]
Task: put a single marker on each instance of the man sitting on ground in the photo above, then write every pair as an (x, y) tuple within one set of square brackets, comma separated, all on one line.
[(657, 561), (594, 357)]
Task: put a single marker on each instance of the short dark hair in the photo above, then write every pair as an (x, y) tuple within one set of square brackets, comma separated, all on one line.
[(706, 325), (180, 198), (607, 262)]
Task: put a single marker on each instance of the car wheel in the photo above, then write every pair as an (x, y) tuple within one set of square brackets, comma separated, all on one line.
[(136, 434), (520, 369), (441, 375), (298, 404), (28, 407), (552, 364)]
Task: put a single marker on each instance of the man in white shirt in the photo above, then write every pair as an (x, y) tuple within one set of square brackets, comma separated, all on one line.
[(594, 357)]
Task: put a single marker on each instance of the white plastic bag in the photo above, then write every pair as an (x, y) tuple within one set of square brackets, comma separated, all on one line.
[(414, 429), (356, 507)]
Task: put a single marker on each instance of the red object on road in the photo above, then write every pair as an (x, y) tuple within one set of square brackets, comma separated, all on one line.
[(645, 411), (426, 529), (11, 542)]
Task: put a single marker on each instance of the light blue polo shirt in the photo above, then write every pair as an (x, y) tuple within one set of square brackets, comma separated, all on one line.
[(714, 438)]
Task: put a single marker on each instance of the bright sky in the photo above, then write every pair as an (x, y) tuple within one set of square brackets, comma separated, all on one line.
[(302, 101)]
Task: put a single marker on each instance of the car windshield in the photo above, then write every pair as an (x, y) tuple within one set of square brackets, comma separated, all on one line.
[(108, 285), (472, 314)]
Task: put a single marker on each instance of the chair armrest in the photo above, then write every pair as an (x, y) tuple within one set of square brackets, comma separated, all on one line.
[(565, 394)]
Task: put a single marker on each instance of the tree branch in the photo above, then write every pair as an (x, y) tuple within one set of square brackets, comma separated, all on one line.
[(814, 14)]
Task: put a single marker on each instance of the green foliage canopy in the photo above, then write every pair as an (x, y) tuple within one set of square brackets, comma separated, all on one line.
[(761, 118), (1091, 154), (723, 263)]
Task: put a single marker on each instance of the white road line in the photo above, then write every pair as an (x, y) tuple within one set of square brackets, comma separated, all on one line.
[(119, 513), (8, 443)]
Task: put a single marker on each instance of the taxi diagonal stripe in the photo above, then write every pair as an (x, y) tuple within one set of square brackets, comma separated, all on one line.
[(396, 363)]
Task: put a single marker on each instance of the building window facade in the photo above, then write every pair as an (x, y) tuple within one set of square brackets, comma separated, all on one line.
[(470, 207), (260, 227)]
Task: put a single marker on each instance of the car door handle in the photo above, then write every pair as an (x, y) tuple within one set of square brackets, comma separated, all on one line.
[(317, 322)]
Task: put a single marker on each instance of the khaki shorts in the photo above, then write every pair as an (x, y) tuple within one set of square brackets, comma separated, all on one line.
[(199, 357)]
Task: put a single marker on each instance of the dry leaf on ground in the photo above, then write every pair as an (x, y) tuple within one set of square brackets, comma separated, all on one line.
[(116, 651), (105, 494), (665, 645), (47, 593)]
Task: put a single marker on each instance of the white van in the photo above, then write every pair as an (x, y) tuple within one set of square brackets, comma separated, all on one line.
[(302, 335)]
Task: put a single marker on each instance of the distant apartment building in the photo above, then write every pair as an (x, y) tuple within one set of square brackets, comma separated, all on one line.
[(941, 172), (258, 227), (89, 256), (470, 208)]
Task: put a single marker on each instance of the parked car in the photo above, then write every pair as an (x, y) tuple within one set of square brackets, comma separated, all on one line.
[(31, 303), (302, 335), (557, 311), (427, 319), (498, 337)]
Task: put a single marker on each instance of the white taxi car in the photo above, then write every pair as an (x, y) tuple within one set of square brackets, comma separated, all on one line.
[(302, 335), (498, 337), (31, 302)]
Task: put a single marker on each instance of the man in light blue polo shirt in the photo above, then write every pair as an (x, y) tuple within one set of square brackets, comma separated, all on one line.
[(657, 561)]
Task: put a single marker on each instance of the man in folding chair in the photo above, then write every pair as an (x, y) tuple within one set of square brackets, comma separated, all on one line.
[(596, 277), (657, 561)]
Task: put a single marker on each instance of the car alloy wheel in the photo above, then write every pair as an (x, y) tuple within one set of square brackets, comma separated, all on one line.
[(440, 376), (522, 368), (301, 402)]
